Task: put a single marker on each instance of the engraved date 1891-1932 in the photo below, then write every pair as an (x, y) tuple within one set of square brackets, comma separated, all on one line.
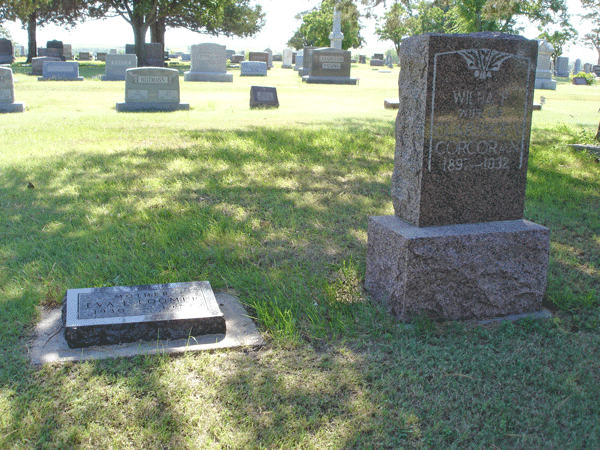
[(463, 164)]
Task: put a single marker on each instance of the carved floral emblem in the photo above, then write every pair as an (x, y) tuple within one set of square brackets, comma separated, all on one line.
[(484, 61)]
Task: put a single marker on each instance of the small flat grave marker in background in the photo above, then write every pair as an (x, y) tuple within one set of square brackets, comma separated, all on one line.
[(152, 89), (114, 315), (263, 97), (579, 81)]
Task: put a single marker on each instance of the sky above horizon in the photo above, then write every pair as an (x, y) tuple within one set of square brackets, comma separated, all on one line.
[(279, 28)]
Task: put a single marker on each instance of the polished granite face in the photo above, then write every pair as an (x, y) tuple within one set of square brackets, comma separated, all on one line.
[(152, 84), (462, 132), (112, 315), (263, 97)]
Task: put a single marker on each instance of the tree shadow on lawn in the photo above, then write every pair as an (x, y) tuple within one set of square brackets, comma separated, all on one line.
[(270, 214)]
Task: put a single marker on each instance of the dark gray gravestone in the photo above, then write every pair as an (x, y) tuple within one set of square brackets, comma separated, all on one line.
[(236, 59), (471, 160), (580, 81), (263, 97), (458, 246), (378, 56), (259, 56), (376, 63), (84, 56), (154, 55), (55, 45), (114, 315), (329, 66), (7, 55), (37, 64)]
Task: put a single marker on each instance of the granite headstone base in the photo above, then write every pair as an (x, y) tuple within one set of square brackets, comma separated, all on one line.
[(329, 80), (112, 77), (12, 107), (115, 315), (151, 106), (546, 84), (457, 272), (208, 76)]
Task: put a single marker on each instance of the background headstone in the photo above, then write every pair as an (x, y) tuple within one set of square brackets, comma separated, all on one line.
[(259, 56), (579, 81), (152, 89), (286, 62), (330, 66), (562, 66), (543, 73), (457, 246), (6, 52), (263, 97), (57, 47), (577, 66), (253, 69), (84, 56), (269, 52), (117, 65), (37, 64), (209, 63), (67, 52), (7, 92), (299, 61), (60, 71), (101, 56), (336, 37), (154, 55), (236, 59), (587, 68)]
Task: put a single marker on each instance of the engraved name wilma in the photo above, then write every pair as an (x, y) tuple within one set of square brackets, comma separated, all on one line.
[(470, 131)]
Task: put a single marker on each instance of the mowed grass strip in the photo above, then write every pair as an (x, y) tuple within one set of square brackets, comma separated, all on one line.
[(272, 206)]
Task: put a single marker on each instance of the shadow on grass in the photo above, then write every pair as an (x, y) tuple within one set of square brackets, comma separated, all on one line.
[(276, 216)]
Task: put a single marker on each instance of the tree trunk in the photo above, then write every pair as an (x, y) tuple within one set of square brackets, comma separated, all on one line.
[(139, 34), (31, 36), (157, 32)]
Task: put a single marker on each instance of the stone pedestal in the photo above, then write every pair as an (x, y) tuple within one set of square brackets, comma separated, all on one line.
[(457, 246), (456, 272), (543, 74)]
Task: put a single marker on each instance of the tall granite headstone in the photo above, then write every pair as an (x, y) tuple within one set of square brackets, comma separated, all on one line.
[(152, 89), (117, 65), (336, 37), (330, 66), (458, 246), (269, 52), (286, 59), (577, 66), (306, 61), (299, 60), (57, 46), (7, 55), (259, 56), (7, 92), (209, 63), (562, 66), (543, 73), (67, 52)]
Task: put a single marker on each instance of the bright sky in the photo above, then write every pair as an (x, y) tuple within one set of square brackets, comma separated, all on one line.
[(279, 28)]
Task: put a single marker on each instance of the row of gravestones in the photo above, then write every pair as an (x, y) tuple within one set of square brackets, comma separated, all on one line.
[(457, 246)]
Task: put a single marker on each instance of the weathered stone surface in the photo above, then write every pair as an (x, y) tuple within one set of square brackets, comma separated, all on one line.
[(260, 57), (114, 315), (562, 66), (7, 55), (7, 92), (286, 59), (579, 81), (209, 63), (60, 71), (152, 89), (253, 69), (457, 272), (37, 64), (329, 66), (117, 65), (263, 97), (463, 126)]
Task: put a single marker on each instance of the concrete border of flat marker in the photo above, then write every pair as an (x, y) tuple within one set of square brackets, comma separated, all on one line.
[(50, 346)]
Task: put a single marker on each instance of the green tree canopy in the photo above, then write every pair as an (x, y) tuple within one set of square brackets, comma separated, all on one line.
[(411, 17), (229, 17), (317, 25)]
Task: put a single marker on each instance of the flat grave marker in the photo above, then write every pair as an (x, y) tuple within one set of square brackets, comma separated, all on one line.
[(60, 71), (263, 97), (115, 315)]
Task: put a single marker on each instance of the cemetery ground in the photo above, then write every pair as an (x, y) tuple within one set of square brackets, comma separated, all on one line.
[(272, 206)]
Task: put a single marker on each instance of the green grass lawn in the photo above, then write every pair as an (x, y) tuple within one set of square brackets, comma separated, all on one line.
[(272, 205)]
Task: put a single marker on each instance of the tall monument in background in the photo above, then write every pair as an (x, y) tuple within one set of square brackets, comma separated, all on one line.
[(336, 37)]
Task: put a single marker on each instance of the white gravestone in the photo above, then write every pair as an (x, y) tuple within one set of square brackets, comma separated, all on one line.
[(209, 63), (543, 73), (7, 92), (336, 37), (286, 62), (152, 89)]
